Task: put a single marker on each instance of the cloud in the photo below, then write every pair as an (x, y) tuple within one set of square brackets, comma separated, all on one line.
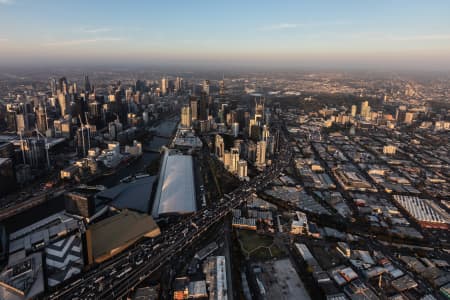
[(82, 42), (7, 1), (95, 30), (3, 40)]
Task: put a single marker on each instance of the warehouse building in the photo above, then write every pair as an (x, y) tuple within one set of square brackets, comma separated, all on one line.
[(111, 236)]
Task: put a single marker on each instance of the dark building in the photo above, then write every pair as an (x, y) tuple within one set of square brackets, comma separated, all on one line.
[(7, 177), (79, 204), (203, 112)]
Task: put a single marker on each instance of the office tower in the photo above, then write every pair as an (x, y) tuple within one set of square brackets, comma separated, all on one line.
[(21, 123), (227, 160), (164, 86), (203, 114), (83, 140), (41, 119), (222, 87), (242, 169), (254, 130), (365, 109), (194, 109), (179, 84), (206, 87), (265, 133), (219, 146), (80, 204), (251, 151), (63, 85), (62, 101), (235, 129), (234, 153), (186, 116), (34, 152), (53, 86), (259, 111), (87, 85), (7, 177), (354, 108), (11, 120), (261, 153)]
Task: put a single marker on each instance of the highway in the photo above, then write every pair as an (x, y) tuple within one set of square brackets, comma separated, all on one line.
[(116, 277)]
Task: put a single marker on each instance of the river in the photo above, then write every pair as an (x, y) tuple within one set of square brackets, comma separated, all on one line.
[(26, 218)]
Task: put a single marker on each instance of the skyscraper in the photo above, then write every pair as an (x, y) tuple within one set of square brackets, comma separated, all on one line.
[(164, 85), (87, 84), (222, 87), (353, 112), (186, 116), (234, 163), (206, 86), (41, 119), (203, 113), (242, 169), (261, 154), (219, 146), (194, 109), (365, 109), (265, 133)]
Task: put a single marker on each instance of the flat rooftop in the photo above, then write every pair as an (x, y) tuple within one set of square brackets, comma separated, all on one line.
[(175, 193), (22, 279), (112, 235), (134, 195)]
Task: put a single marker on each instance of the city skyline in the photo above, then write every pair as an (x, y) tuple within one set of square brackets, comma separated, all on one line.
[(323, 34)]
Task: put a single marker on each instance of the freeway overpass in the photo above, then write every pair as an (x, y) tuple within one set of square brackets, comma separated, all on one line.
[(116, 277)]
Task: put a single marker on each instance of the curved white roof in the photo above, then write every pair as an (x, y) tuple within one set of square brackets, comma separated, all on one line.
[(176, 191)]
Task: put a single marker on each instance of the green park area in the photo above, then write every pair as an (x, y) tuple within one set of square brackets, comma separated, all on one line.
[(256, 246)]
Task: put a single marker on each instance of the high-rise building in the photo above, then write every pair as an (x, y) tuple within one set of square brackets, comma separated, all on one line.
[(222, 87), (365, 109), (242, 169), (186, 116), (354, 109), (87, 84), (41, 119), (206, 86), (194, 109), (261, 153), (265, 133), (219, 146), (179, 84), (203, 113), (235, 129), (164, 86), (79, 204), (227, 159), (234, 163)]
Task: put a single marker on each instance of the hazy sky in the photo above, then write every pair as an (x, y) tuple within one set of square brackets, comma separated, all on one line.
[(407, 34)]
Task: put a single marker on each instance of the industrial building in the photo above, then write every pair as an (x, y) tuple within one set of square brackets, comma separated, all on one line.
[(175, 193), (22, 279), (134, 195), (81, 204), (427, 213), (108, 237)]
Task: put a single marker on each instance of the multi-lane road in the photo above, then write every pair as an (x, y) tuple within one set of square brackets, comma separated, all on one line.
[(116, 277)]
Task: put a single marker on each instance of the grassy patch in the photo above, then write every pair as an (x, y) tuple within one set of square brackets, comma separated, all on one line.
[(276, 252), (251, 240), (261, 254)]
